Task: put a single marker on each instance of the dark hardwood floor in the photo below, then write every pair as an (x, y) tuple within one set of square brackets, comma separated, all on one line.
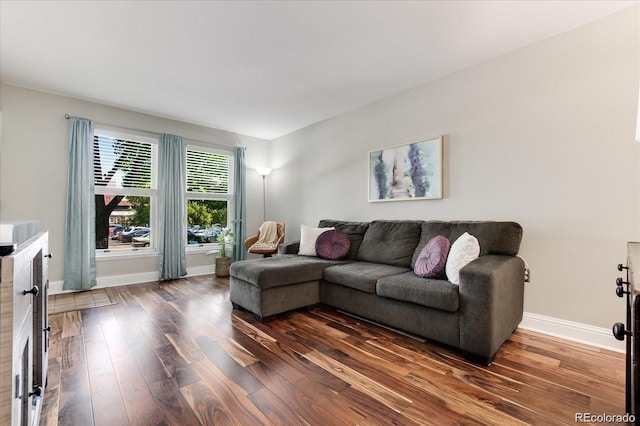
[(174, 353)]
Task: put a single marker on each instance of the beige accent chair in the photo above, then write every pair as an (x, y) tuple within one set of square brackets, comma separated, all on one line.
[(264, 251)]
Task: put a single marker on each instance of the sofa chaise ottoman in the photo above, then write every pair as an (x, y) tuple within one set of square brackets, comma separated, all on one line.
[(376, 281)]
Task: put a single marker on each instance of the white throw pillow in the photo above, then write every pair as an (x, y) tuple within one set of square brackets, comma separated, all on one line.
[(463, 251), (308, 237)]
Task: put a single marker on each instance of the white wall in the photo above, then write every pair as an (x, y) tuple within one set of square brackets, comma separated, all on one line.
[(542, 136), (33, 171)]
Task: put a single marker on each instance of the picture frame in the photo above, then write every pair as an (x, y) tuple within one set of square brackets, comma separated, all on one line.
[(411, 171)]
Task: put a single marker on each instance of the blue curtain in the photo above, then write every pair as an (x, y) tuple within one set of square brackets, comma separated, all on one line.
[(240, 204), (172, 200), (80, 240)]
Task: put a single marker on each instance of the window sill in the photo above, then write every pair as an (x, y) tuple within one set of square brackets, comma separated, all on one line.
[(125, 254), (202, 248), (142, 253)]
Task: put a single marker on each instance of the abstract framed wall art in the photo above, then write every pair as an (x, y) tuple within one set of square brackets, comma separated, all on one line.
[(406, 172)]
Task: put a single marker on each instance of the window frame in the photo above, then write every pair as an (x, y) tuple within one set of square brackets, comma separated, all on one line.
[(228, 197), (152, 193)]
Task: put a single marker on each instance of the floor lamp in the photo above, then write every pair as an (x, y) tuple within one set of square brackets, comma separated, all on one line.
[(264, 172)]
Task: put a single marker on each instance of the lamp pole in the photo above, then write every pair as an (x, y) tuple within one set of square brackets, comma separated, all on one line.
[(264, 198), (264, 172)]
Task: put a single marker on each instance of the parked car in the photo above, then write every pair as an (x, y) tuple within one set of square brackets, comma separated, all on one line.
[(127, 237), (114, 231), (141, 241), (128, 230), (125, 231), (193, 238)]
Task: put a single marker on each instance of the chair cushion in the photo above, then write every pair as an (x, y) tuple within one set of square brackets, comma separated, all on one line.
[(333, 245), (433, 258)]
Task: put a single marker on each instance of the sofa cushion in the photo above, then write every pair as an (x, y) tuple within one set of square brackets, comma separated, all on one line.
[(360, 275), (354, 230), (279, 270), (494, 237), (308, 237), (463, 251), (408, 287), (333, 245), (433, 258), (391, 242)]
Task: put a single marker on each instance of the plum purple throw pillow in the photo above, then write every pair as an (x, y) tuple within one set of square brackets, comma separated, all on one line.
[(432, 260), (333, 245)]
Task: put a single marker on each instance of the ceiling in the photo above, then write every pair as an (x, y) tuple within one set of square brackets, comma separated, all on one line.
[(263, 68)]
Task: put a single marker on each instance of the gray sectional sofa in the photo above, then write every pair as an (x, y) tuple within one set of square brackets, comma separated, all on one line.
[(376, 281)]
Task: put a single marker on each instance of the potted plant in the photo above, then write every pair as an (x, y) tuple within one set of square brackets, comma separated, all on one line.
[(223, 261)]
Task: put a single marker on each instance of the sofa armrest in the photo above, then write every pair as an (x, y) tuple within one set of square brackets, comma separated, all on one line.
[(292, 247), (491, 303)]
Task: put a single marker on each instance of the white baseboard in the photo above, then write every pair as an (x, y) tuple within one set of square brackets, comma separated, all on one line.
[(201, 270), (55, 287), (574, 331)]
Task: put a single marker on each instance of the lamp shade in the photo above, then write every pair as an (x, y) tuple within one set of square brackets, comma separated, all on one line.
[(263, 171)]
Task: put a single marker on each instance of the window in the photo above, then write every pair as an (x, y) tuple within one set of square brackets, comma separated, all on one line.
[(125, 169), (209, 194)]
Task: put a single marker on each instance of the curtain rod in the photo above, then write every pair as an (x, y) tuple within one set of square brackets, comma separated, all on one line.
[(67, 116)]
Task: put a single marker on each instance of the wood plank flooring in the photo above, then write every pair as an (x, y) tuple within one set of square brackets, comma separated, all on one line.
[(175, 353)]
